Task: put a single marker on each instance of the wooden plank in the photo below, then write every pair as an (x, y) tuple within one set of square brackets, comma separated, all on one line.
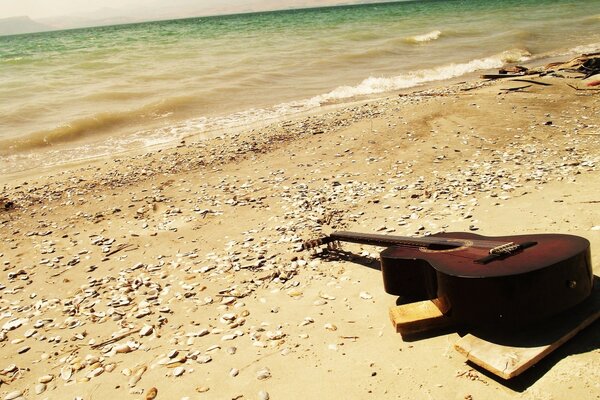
[(508, 355), (418, 317)]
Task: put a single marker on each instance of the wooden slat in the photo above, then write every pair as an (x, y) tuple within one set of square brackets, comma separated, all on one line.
[(509, 355), (418, 317)]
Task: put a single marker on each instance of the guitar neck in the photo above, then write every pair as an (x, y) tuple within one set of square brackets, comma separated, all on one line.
[(383, 240)]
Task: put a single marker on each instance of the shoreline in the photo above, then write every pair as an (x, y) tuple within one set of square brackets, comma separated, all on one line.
[(82, 149), (191, 251)]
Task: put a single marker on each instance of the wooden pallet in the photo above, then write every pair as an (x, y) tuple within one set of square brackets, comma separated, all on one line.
[(504, 354)]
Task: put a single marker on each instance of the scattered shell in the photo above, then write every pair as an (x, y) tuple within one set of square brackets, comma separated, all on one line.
[(13, 395), (262, 395), (29, 333), (146, 330), (40, 388), (263, 373), (9, 368), (365, 295), (66, 372), (95, 372), (234, 372), (122, 348), (12, 324), (45, 378), (203, 359), (330, 327), (152, 393), (178, 371)]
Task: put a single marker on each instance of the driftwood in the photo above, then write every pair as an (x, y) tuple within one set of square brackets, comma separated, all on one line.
[(500, 76), (532, 81), (516, 89), (115, 339)]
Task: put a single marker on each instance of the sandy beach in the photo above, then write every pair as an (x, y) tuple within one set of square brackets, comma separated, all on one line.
[(175, 274)]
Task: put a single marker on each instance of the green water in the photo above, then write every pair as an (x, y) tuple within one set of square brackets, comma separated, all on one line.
[(88, 92)]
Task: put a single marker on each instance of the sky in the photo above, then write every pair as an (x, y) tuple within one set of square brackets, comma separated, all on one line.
[(39, 9)]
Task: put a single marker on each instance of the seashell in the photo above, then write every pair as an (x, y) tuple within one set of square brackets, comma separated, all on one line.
[(126, 372), (66, 372), (95, 372), (230, 336), (330, 327), (12, 324), (263, 373), (122, 348), (225, 318), (365, 295), (45, 378), (29, 333), (173, 361), (90, 359), (40, 388), (13, 395), (110, 367), (146, 330), (134, 380), (152, 393), (173, 353), (275, 335), (204, 359), (178, 371), (143, 312), (9, 368), (262, 395), (234, 372), (202, 389), (326, 296)]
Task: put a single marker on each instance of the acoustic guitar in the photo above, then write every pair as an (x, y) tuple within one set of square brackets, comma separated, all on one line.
[(479, 280)]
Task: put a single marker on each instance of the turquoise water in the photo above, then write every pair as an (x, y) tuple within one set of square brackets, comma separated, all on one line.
[(81, 93)]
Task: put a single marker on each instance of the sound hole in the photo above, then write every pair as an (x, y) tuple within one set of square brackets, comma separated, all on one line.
[(444, 246), (447, 246)]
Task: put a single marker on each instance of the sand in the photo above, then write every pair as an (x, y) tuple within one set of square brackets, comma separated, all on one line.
[(189, 254)]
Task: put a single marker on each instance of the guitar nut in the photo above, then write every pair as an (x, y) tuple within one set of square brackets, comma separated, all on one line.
[(572, 284)]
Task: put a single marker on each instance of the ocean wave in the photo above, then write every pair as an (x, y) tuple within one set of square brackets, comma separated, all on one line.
[(100, 123), (585, 49), (69, 132), (373, 85), (426, 37)]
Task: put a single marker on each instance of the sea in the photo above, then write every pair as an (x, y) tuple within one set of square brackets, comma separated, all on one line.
[(67, 96)]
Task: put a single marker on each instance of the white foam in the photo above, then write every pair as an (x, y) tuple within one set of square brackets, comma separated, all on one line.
[(374, 85), (426, 37)]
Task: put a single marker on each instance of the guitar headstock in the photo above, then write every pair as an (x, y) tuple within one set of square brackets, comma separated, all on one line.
[(313, 244)]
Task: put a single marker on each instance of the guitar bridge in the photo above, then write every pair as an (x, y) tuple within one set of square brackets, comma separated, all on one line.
[(506, 248), (503, 251)]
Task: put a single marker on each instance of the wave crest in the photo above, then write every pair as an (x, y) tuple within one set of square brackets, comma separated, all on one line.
[(373, 85), (426, 37)]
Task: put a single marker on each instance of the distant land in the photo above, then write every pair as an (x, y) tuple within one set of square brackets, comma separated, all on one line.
[(182, 9), (23, 24)]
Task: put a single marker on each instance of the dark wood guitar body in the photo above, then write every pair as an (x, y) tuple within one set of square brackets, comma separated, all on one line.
[(525, 287), (479, 280)]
